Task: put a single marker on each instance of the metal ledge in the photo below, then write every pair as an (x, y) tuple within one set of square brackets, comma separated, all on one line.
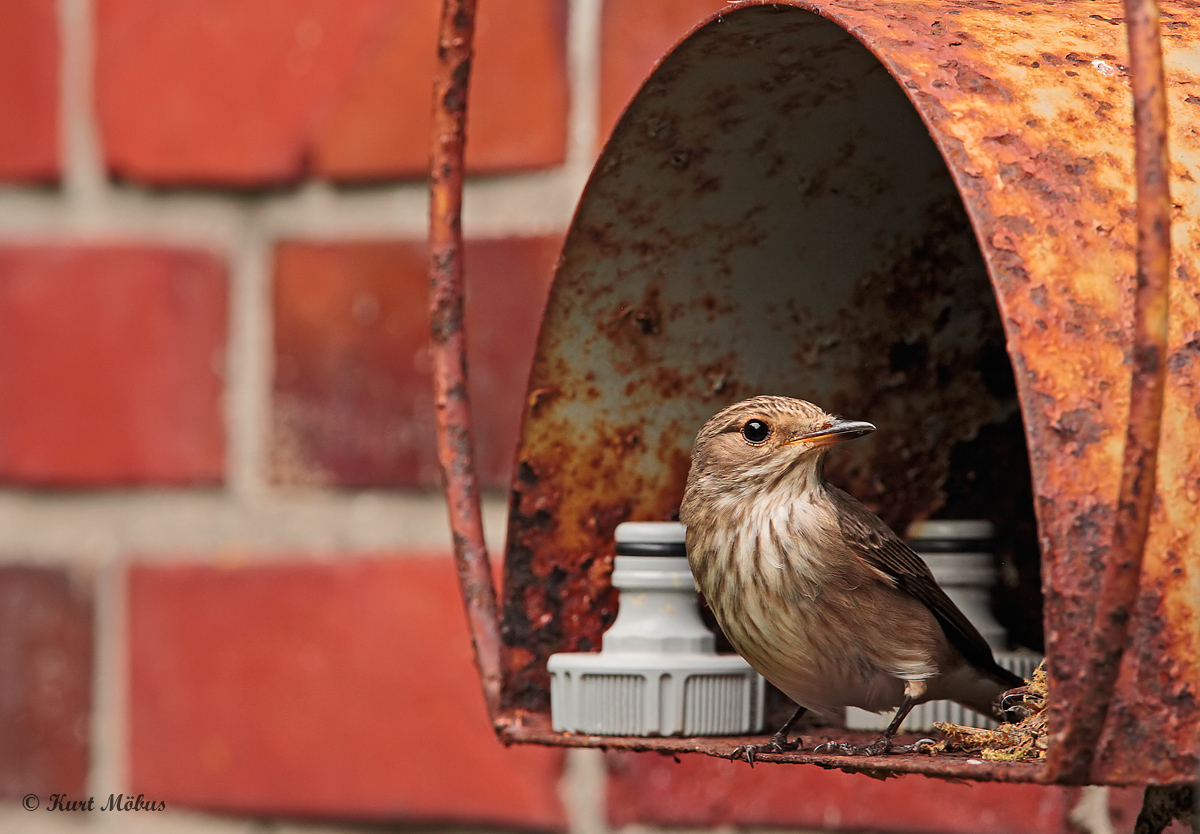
[(534, 728)]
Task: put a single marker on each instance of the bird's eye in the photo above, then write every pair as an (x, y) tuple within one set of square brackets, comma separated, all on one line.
[(756, 431)]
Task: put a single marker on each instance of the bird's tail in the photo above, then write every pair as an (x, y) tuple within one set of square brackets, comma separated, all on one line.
[(985, 695)]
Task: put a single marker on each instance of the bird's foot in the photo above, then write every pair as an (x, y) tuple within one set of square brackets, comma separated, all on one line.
[(920, 746), (879, 747), (1016, 704), (841, 748), (778, 744)]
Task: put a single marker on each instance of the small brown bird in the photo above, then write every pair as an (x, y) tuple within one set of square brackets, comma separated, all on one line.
[(811, 588)]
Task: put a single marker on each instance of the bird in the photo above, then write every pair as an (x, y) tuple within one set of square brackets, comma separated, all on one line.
[(813, 589)]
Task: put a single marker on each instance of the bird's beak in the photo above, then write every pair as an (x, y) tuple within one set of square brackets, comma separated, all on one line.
[(839, 431)]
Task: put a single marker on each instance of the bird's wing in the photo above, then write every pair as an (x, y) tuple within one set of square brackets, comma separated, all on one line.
[(883, 550)]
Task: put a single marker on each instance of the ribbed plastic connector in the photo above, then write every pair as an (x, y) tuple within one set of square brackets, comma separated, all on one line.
[(657, 672)]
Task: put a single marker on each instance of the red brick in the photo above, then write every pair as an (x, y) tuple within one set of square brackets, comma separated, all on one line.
[(45, 682), (517, 112), (508, 281), (29, 91), (249, 94), (110, 366), (225, 91), (342, 688), (701, 791), (634, 35), (353, 403)]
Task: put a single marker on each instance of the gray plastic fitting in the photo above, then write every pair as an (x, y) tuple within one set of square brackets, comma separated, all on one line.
[(657, 672)]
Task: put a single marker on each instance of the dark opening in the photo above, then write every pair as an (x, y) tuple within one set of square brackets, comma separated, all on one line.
[(770, 216)]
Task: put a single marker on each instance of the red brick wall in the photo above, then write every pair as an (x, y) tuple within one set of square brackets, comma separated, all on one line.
[(223, 581)]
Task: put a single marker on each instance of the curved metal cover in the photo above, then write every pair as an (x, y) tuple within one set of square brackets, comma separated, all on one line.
[(771, 215)]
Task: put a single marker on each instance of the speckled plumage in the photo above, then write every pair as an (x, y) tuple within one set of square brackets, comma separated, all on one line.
[(810, 586)]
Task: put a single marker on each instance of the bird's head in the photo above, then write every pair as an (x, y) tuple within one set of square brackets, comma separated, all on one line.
[(759, 443)]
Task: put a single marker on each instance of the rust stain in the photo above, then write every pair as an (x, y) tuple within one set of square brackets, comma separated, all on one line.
[(531, 727), (1058, 152), (448, 343), (750, 228), (1073, 758)]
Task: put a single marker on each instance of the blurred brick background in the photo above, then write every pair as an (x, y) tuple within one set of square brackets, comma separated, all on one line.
[(224, 567)]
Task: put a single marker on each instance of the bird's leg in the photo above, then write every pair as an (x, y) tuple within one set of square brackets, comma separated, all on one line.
[(883, 744), (778, 744)]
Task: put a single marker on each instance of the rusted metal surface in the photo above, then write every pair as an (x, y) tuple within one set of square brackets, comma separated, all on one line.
[(448, 343), (1070, 760), (536, 729), (1045, 172), (705, 268), (770, 216)]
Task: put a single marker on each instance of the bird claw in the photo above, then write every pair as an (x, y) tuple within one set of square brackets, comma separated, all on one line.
[(1014, 697), (1016, 704), (777, 744), (881, 745), (835, 747), (919, 746)]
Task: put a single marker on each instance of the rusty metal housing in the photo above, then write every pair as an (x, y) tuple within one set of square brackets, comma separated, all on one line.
[(917, 213)]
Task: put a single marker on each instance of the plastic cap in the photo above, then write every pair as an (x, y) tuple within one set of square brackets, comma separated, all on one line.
[(651, 532), (651, 538), (973, 529)]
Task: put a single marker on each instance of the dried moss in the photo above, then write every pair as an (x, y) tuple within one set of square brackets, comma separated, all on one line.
[(1019, 742)]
